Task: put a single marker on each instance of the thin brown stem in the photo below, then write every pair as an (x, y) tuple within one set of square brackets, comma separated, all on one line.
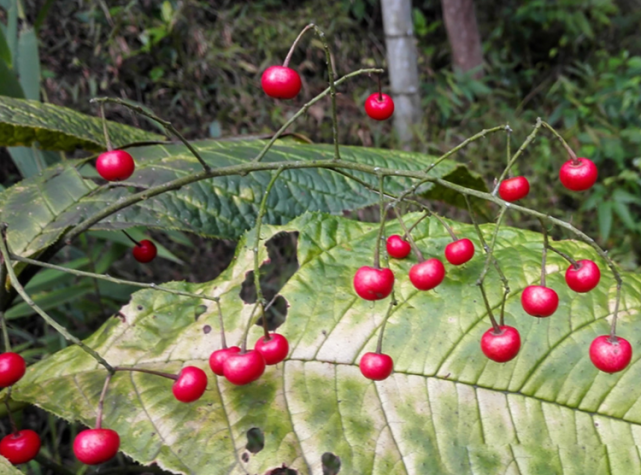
[(490, 248), (544, 254), (380, 89), (418, 221), (101, 401), (14, 428), (131, 238), (250, 323), (497, 329), (518, 153), (293, 47), (104, 127), (148, 371), (392, 303), (381, 227), (419, 254), (565, 256), (567, 148), (615, 316), (265, 329), (223, 340)]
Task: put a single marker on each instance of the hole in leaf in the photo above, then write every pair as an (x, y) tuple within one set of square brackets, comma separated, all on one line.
[(200, 309), (282, 263), (255, 440), (331, 464), (283, 470)]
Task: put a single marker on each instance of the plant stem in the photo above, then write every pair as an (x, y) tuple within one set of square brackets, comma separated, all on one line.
[(20, 289), (109, 278), (381, 227), (167, 125), (515, 157), (544, 254), (563, 142), (419, 254), (443, 223), (508, 146), (148, 371), (243, 347), (14, 428), (332, 88), (5, 333), (380, 91), (379, 343), (411, 228), (615, 316), (223, 340), (565, 256), (293, 47), (104, 127), (130, 238), (490, 248), (101, 401), (497, 329)]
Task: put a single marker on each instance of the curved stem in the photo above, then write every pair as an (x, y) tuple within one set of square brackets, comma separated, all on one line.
[(563, 142), (565, 256), (332, 89), (490, 248), (101, 401), (20, 289), (544, 254), (381, 227), (497, 329), (411, 228), (508, 145), (104, 127), (223, 340), (415, 248), (293, 47), (443, 223), (148, 371), (243, 347), (130, 238), (515, 157), (379, 343)]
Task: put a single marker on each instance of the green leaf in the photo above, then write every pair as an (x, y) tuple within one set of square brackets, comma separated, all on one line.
[(9, 84), (51, 299), (7, 469), (40, 209), (27, 160), (447, 409), (623, 212), (5, 52), (29, 63), (604, 213), (22, 122)]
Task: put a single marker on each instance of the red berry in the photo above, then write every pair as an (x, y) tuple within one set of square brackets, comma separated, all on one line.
[(539, 301), (503, 346), (373, 284), (459, 252), (96, 446), (514, 189), (12, 368), (146, 252), (610, 356), (379, 106), (397, 247), (584, 278), (281, 82), (218, 358), (190, 385), (578, 176), (21, 447), (376, 366), (243, 368), (427, 274), (115, 165), (273, 350)]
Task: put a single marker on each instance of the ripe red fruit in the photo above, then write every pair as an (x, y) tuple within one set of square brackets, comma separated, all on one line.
[(514, 189), (273, 350), (243, 368), (218, 358), (610, 356), (539, 301), (379, 106), (585, 278), (12, 368), (397, 247), (146, 252), (427, 274), (373, 284), (376, 366), (115, 165), (503, 346), (96, 446), (281, 82), (459, 252), (21, 447), (190, 385), (580, 176)]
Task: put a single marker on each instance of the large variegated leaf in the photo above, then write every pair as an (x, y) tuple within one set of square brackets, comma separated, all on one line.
[(445, 410), (39, 209), (7, 469), (23, 122)]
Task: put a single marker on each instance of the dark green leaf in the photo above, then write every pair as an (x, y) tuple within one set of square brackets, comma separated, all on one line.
[(51, 299), (5, 52), (29, 63), (604, 213), (623, 212), (9, 84)]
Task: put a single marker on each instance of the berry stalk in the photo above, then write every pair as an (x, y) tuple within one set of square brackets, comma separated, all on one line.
[(567, 148), (544, 254), (497, 328), (101, 401), (565, 256), (223, 340), (148, 371), (14, 428), (130, 238), (490, 248), (392, 304), (419, 254), (104, 127), (293, 47), (381, 228)]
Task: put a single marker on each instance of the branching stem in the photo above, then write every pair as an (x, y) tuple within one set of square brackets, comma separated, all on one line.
[(518, 153), (417, 251)]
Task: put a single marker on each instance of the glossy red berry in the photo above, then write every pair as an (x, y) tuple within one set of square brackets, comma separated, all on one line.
[(514, 189), (243, 368), (539, 301), (281, 82), (146, 252), (578, 176), (21, 447), (373, 284), (379, 106), (397, 247), (96, 446), (503, 346), (584, 278), (376, 366), (610, 356), (273, 350), (217, 359), (115, 165), (427, 274), (459, 252), (190, 385), (12, 368)]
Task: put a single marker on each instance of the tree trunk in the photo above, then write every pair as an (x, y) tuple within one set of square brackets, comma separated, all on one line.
[(463, 34), (402, 66)]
